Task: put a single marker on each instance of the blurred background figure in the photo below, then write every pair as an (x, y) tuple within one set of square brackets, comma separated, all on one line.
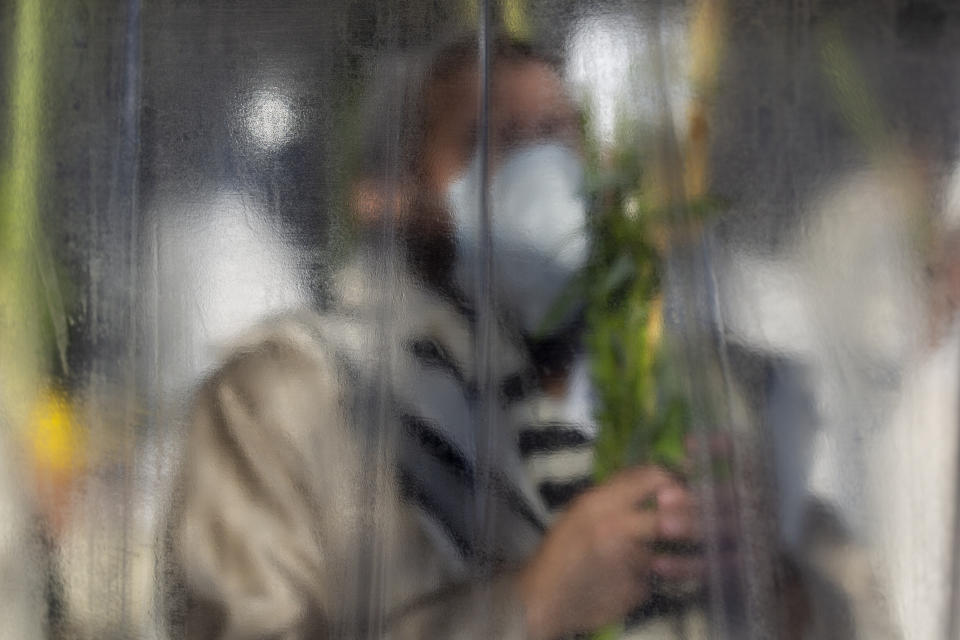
[(914, 508), (834, 322), (221, 268)]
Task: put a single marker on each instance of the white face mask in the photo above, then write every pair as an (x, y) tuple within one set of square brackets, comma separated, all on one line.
[(538, 217)]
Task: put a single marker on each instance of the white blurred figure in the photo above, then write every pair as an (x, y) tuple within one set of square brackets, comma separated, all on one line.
[(914, 465), (221, 267), (844, 308)]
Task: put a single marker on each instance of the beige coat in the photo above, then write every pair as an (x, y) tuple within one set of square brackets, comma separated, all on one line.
[(283, 527)]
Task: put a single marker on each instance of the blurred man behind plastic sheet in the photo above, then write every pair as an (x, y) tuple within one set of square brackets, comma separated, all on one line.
[(349, 475)]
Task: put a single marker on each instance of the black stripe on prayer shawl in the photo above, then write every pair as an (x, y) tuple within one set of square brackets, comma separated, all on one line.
[(432, 354), (433, 442), (515, 388), (557, 494), (414, 491), (517, 502), (550, 437)]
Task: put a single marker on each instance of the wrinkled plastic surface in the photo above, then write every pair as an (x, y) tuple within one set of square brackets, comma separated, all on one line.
[(174, 173)]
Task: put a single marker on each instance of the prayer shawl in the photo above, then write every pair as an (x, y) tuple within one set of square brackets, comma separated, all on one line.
[(346, 475)]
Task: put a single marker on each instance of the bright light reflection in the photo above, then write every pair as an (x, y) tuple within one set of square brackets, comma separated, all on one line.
[(221, 267), (270, 119), (611, 66)]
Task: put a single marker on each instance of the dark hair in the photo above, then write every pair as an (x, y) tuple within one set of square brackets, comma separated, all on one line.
[(395, 118), (462, 53)]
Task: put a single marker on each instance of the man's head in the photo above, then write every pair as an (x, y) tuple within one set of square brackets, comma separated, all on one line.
[(527, 103), (435, 127), (429, 184)]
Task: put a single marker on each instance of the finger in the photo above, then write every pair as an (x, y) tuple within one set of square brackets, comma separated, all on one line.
[(678, 515), (680, 526), (638, 485), (675, 497)]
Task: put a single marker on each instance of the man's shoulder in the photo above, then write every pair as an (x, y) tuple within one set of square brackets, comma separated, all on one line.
[(281, 351), (297, 331)]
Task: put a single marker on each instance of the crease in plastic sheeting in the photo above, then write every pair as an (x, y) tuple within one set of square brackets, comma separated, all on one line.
[(670, 154), (699, 288), (751, 568), (124, 194), (483, 294), (386, 443)]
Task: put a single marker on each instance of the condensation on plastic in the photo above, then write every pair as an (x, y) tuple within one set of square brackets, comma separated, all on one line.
[(171, 173)]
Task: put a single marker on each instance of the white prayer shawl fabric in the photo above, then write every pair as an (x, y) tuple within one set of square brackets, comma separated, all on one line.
[(912, 480)]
